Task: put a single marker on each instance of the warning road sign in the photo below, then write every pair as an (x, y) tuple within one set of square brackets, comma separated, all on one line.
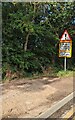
[(65, 36), (65, 45)]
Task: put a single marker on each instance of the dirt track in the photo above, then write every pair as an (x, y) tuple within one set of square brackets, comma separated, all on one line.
[(29, 98)]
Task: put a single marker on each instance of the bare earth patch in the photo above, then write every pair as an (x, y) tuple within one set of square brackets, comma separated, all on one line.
[(29, 98)]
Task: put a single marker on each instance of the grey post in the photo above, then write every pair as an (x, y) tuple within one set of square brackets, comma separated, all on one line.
[(65, 64)]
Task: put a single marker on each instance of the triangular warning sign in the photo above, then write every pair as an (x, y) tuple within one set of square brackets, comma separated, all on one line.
[(65, 36)]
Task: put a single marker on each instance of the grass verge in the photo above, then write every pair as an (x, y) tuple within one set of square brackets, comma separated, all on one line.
[(67, 73)]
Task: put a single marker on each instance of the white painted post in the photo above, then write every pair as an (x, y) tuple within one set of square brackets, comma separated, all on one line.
[(65, 64)]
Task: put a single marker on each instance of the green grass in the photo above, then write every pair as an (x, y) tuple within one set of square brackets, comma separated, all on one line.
[(67, 73), (55, 73)]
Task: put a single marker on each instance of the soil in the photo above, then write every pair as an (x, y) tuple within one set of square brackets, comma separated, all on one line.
[(28, 98)]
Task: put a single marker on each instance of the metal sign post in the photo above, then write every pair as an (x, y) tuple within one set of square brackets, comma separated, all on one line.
[(65, 64)]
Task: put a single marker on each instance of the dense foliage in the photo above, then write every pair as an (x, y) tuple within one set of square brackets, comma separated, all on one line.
[(31, 33)]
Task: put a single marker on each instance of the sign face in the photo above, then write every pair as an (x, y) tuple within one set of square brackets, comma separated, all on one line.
[(65, 49), (65, 36), (65, 45)]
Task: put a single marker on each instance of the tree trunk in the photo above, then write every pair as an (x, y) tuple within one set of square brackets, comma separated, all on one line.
[(34, 7), (26, 43)]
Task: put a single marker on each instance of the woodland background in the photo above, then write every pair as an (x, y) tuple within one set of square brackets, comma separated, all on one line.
[(30, 37)]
